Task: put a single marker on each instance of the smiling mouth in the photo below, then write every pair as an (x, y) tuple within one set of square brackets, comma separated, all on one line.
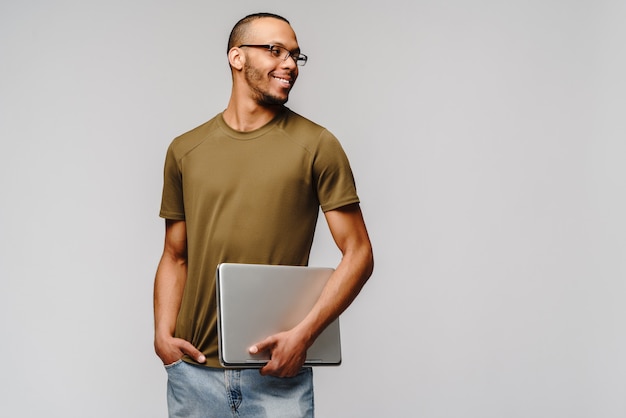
[(283, 81)]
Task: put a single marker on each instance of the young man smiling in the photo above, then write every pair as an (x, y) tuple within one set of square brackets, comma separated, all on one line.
[(246, 187)]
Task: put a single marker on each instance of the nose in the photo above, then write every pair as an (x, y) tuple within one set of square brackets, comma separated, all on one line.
[(290, 63)]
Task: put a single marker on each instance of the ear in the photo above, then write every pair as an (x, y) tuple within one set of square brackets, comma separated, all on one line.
[(236, 58)]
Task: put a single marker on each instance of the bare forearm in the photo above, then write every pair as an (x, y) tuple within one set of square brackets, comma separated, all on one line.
[(288, 349), (342, 288), (356, 266), (169, 285)]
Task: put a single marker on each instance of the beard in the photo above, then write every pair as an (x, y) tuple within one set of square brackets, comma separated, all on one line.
[(255, 78)]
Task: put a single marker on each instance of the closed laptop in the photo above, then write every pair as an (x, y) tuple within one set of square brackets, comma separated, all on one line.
[(255, 301)]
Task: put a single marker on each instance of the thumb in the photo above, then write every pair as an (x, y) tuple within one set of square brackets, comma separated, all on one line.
[(193, 352)]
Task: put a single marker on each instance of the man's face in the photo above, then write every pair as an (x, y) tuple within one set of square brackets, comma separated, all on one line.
[(270, 79)]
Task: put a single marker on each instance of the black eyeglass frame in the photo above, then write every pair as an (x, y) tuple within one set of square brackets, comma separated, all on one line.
[(299, 58)]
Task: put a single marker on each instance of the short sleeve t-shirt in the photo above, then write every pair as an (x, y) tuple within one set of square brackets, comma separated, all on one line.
[(248, 197)]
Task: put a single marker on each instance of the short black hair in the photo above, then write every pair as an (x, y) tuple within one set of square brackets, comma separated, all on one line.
[(239, 30)]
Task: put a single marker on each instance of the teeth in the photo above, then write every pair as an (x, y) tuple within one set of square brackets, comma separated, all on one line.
[(282, 80)]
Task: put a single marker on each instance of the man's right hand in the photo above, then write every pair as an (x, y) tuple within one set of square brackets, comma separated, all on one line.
[(171, 349), (169, 285)]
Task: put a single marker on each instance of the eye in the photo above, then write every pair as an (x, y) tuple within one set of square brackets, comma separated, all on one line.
[(276, 51)]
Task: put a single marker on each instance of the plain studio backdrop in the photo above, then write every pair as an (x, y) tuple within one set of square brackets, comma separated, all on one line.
[(488, 140)]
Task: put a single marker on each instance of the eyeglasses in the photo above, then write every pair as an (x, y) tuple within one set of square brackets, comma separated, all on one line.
[(281, 53)]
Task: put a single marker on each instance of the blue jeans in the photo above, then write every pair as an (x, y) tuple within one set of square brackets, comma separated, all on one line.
[(202, 392)]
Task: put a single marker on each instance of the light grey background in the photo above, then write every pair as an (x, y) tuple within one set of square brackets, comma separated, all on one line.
[(488, 143)]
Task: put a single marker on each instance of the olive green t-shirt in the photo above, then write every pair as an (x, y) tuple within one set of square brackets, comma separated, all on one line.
[(248, 197)]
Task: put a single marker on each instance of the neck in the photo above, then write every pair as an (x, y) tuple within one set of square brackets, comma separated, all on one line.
[(250, 116)]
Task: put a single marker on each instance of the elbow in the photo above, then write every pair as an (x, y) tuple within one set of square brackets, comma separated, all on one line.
[(370, 269), (368, 263)]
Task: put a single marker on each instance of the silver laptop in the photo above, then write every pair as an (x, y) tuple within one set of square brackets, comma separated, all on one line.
[(255, 301)]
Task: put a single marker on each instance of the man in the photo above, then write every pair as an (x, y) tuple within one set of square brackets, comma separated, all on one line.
[(246, 187)]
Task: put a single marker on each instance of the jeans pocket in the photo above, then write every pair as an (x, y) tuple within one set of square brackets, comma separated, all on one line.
[(172, 365)]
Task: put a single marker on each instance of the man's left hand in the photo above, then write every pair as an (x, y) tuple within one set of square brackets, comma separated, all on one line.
[(287, 354)]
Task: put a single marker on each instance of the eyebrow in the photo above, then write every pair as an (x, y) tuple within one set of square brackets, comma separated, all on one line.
[(280, 44)]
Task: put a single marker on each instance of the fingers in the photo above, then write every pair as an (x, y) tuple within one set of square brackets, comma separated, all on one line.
[(192, 352), (283, 362), (267, 344), (267, 370), (171, 350), (275, 368)]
